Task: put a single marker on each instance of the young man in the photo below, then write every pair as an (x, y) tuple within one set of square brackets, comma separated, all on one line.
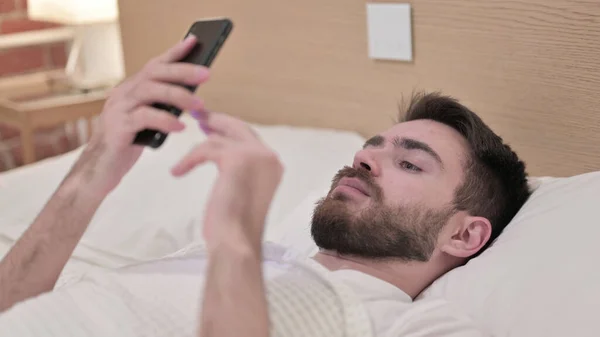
[(420, 199)]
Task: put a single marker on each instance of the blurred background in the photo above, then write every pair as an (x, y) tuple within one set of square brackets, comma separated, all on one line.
[(27, 60)]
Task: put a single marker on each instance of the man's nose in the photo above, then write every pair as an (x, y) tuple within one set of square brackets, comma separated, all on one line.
[(365, 160)]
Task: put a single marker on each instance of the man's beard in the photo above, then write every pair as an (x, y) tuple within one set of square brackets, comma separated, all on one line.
[(379, 231)]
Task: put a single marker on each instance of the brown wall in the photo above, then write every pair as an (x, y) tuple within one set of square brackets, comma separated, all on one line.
[(530, 68), (13, 19)]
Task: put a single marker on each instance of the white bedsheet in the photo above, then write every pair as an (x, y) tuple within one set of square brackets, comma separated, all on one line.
[(304, 298), (152, 214)]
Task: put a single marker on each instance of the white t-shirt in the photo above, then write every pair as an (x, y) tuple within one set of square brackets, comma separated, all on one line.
[(393, 313), (161, 298)]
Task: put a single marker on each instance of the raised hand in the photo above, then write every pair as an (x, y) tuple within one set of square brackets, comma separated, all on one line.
[(110, 153), (249, 174)]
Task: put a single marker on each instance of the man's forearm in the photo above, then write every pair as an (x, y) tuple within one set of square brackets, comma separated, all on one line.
[(35, 262), (235, 302)]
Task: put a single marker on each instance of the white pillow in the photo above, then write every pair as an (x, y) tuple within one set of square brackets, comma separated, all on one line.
[(541, 277)]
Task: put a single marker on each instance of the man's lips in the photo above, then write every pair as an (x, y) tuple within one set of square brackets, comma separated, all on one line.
[(356, 184)]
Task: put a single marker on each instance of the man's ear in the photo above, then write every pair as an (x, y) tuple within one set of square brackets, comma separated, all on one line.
[(469, 237)]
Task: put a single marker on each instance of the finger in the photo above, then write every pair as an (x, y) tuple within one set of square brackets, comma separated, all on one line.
[(178, 51), (207, 151), (146, 117), (181, 73), (148, 92), (227, 126), (200, 117)]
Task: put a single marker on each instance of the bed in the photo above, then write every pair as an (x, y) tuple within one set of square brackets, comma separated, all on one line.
[(530, 68)]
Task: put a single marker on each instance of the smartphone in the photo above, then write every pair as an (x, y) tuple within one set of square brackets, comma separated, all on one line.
[(210, 35)]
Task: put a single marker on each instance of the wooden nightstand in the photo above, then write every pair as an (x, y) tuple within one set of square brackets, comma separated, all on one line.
[(47, 101)]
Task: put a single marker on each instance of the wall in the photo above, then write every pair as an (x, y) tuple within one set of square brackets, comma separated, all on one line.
[(13, 19), (13, 62), (530, 68)]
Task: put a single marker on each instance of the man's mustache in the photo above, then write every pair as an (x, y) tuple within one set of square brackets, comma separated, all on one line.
[(363, 175)]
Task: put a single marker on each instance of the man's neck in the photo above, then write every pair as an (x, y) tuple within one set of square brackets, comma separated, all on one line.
[(410, 277)]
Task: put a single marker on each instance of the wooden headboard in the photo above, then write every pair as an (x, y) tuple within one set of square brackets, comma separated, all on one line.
[(530, 68)]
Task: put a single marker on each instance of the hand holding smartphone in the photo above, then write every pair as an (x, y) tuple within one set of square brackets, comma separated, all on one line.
[(210, 35)]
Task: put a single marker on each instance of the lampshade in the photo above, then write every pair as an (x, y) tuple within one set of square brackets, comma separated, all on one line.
[(73, 12)]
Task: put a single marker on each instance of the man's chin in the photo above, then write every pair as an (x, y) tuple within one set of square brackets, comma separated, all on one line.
[(343, 206), (347, 201)]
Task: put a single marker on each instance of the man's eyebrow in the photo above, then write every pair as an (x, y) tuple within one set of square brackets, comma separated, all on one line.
[(413, 144), (375, 141), (405, 143)]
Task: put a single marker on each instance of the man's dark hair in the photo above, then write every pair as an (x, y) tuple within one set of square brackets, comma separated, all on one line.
[(495, 181)]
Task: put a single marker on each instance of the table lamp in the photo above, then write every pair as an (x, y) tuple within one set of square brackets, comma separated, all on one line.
[(96, 58)]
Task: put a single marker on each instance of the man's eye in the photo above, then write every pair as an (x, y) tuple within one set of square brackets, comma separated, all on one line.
[(409, 166)]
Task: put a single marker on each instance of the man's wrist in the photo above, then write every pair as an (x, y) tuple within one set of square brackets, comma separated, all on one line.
[(88, 175), (77, 184), (235, 242)]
